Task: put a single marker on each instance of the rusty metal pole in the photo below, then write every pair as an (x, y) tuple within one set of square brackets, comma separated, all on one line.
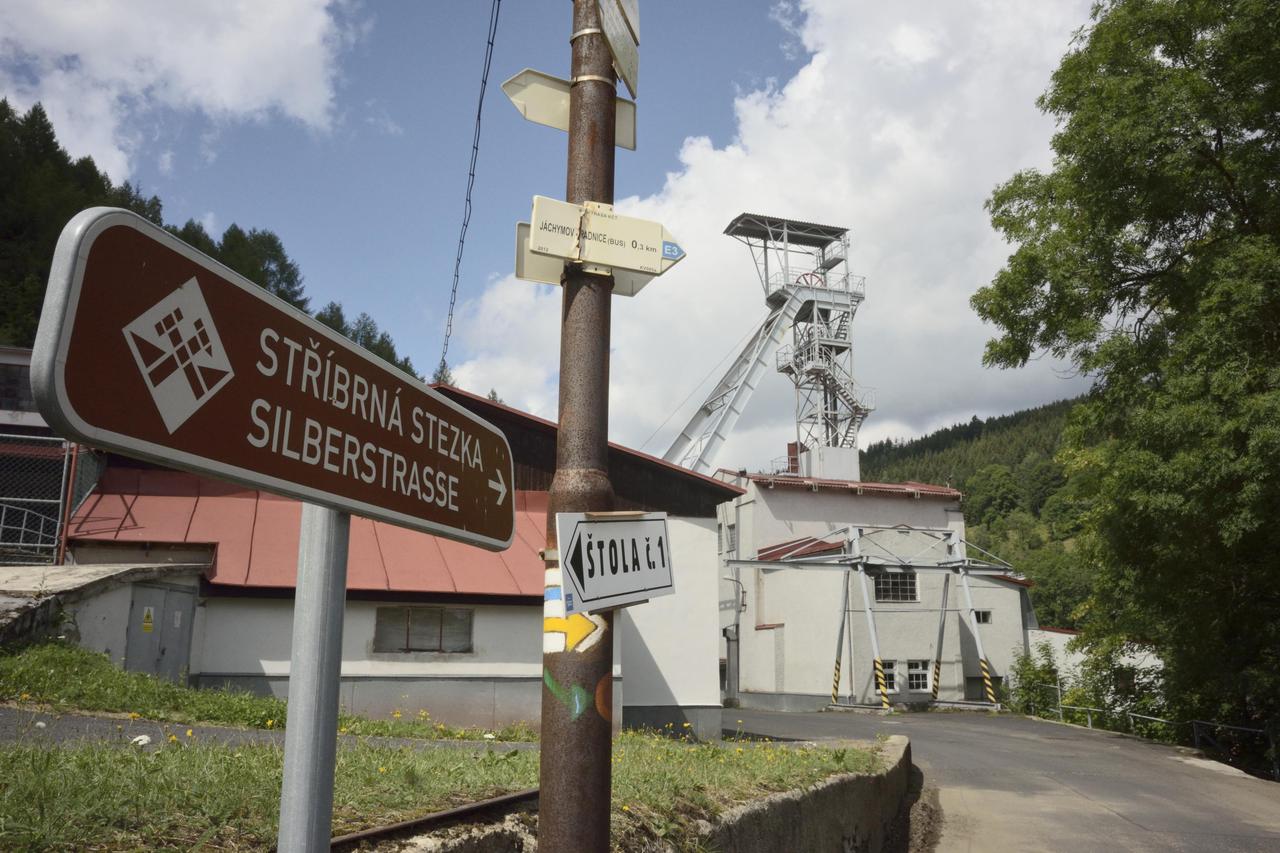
[(577, 692)]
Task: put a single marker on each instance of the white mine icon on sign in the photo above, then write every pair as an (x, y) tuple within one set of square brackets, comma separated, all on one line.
[(179, 354)]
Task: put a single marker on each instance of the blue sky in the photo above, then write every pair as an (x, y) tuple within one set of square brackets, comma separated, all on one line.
[(346, 128)]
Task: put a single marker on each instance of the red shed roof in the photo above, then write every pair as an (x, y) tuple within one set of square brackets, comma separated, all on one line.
[(908, 489), (256, 537)]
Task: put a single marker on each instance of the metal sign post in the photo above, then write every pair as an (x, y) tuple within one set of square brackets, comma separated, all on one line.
[(577, 696), (310, 736)]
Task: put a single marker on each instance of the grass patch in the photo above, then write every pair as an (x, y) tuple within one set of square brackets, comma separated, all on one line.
[(187, 795), (69, 678), (661, 786)]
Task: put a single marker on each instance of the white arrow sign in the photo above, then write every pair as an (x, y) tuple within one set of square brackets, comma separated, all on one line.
[(594, 234), (613, 558), (544, 99), (548, 269), (621, 22)]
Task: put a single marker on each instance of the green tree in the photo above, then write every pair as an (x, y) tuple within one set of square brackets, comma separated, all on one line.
[(443, 375), (989, 494), (259, 256), (1149, 256), (41, 188)]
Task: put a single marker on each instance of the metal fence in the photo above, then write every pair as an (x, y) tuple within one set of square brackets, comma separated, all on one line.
[(42, 481), (1241, 746)]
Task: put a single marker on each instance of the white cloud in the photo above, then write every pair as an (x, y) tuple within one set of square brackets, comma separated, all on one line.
[(895, 130), (210, 223), (99, 67), (165, 162)]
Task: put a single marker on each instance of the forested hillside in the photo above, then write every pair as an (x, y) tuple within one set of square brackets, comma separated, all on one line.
[(1018, 502), (41, 188), (951, 455)]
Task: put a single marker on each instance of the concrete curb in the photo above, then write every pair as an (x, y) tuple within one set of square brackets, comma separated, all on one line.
[(855, 811), (852, 811)]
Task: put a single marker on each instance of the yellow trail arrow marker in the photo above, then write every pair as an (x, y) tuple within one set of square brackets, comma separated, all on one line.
[(577, 628)]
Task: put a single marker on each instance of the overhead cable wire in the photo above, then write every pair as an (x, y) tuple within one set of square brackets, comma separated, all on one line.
[(732, 351), (471, 180)]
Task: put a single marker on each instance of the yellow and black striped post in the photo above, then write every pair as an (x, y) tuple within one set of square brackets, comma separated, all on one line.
[(844, 614), (937, 677), (884, 692), (986, 680)]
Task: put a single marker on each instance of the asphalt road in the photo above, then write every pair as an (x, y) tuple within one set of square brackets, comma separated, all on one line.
[(1012, 783)]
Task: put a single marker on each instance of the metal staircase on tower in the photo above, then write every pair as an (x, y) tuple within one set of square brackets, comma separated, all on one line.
[(811, 297)]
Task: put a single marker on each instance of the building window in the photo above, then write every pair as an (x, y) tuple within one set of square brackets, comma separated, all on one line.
[(422, 629), (890, 681), (983, 616), (896, 586), (729, 538), (918, 675)]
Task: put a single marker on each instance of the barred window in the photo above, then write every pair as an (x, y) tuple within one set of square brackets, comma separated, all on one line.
[(983, 616), (917, 675), (729, 538), (890, 681), (422, 629), (896, 586)]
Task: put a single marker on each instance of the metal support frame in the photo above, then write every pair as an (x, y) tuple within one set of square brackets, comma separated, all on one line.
[(710, 425), (311, 736), (844, 614), (977, 639), (942, 627), (875, 642)]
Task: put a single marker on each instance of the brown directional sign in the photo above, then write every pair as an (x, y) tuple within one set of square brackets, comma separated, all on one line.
[(149, 348)]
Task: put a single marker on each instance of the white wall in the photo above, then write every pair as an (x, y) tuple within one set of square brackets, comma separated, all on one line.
[(670, 644), (252, 636), (792, 619), (102, 621)]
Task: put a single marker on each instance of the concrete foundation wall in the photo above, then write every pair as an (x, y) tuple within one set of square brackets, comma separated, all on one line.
[(102, 621), (862, 812)]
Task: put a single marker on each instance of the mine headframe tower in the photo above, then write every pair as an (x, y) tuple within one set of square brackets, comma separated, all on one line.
[(810, 294)]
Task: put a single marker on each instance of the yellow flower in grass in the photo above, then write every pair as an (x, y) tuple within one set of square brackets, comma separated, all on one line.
[(133, 715), (626, 808), (191, 733), (396, 713), (271, 724), (382, 770), (686, 725), (173, 738), (25, 696)]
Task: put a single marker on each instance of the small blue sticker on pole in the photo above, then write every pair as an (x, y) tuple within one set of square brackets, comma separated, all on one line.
[(671, 251)]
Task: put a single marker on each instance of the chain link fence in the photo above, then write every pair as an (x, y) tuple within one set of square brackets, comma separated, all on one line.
[(39, 477)]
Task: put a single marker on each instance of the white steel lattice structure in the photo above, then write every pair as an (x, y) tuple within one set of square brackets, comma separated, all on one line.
[(810, 293)]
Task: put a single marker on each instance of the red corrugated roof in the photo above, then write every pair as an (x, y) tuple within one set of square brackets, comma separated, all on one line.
[(909, 489), (807, 546), (462, 396), (256, 535)]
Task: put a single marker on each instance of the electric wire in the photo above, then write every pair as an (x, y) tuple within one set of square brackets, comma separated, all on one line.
[(732, 351), (471, 181)]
